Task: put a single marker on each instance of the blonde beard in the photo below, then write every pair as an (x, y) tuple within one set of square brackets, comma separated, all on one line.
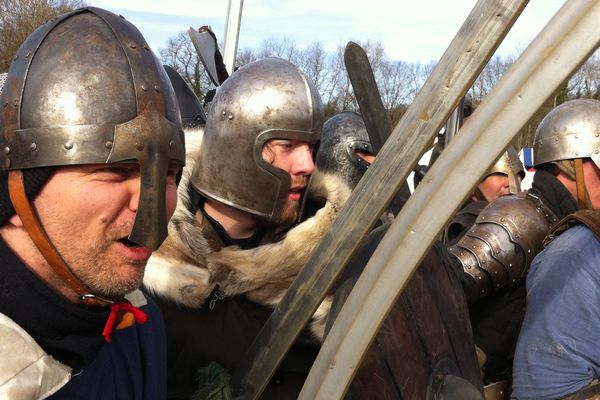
[(289, 215)]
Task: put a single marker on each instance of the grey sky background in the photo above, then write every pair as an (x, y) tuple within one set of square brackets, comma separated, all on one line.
[(412, 31)]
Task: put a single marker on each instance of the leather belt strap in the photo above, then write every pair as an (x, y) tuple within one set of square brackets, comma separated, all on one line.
[(30, 219), (579, 180)]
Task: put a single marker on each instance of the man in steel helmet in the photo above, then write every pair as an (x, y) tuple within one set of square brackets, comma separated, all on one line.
[(496, 253), (557, 354), (91, 147), (234, 246), (502, 179)]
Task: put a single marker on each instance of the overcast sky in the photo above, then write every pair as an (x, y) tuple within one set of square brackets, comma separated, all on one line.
[(410, 30)]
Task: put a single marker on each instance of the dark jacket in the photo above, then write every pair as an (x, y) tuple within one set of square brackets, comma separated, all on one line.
[(131, 366)]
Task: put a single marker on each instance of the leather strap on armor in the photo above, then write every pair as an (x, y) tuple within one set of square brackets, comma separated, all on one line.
[(25, 211), (589, 218)]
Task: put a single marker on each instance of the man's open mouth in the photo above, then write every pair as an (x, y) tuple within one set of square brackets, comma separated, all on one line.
[(128, 242)]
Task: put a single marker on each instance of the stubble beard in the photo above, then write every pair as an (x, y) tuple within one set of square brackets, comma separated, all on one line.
[(104, 272)]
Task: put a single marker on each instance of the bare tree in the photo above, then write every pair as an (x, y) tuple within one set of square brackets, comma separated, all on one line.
[(19, 18), (182, 56)]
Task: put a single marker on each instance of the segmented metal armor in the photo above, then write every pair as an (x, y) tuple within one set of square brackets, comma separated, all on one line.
[(498, 249)]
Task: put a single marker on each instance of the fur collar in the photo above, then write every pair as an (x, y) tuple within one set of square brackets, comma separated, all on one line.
[(186, 269)]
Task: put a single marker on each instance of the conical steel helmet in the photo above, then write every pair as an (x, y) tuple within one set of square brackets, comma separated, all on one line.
[(85, 88)]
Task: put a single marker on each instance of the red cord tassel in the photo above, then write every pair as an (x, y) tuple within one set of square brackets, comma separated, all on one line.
[(118, 310)]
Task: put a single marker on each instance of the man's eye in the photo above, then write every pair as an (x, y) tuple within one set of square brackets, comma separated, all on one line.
[(286, 145)]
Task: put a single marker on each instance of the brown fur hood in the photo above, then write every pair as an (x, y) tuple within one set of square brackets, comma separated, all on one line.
[(186, 270)]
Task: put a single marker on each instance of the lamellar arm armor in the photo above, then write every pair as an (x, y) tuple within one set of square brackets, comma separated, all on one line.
[(498, 249)]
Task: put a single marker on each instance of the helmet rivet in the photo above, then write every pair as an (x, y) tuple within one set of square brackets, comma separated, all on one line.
[(576, 136), (139, 146), (223, 113), (171, 144), (156, 88), (146, 47), (144, 87), (132, 45), (365, 146), (28, 54), (7, 150), (230, 117), (69, 145), (7, 163), (108, 144), (33, 146)]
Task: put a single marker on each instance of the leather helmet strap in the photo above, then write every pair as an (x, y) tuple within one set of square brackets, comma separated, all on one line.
[(579, 180), (31, 222)]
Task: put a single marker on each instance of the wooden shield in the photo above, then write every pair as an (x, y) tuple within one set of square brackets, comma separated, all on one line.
[(425, 343)]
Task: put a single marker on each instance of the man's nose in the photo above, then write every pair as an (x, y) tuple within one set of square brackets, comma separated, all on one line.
[(303, 162)]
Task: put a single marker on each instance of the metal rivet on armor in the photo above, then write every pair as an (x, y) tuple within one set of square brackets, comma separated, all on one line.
[(337, 140), (223, 113), (7, 163), (365, 146), (69, 145), (6, 150), (156, 88), (108, 145), (132, 45), (509, 265), (230, 117), (33, 146), (171, 144), (16, 103), (483, 261), (146, 47), (28, 54), (516, 236), (482, 217), (144, 87), (501, 219), (480, 278), (528, 251), (556, 139), (576, 136), (139, 146), (576, 153)]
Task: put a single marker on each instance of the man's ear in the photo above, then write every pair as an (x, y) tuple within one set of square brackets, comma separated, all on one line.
[(15, 220)]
